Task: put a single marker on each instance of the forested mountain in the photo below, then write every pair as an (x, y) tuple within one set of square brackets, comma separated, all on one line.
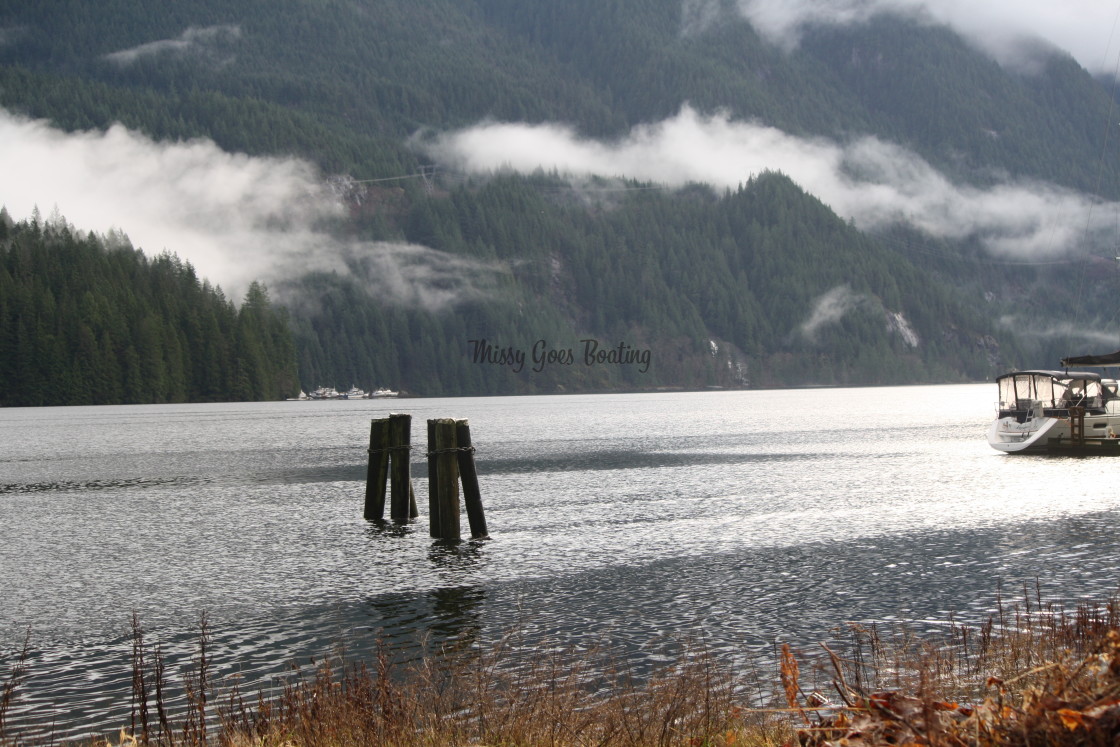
[(759, 285), (721, 288), (345, 82), (91, 320)]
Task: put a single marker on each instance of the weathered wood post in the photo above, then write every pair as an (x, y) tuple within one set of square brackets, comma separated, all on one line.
[(400, 483), (443, 463), (377, 470), (472, 497), (448, 479), (433, 483)]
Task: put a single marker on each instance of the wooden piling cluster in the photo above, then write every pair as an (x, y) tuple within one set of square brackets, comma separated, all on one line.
[(450, 460), (390, 441)]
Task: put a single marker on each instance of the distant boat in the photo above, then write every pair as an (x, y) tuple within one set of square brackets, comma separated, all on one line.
[(302, 396), (379, 393), (324, 392), (353, 393)]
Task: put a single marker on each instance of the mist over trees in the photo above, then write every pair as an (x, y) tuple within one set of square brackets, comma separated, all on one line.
[(759, 284)]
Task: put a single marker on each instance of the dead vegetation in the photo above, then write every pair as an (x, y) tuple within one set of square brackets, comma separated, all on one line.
[(1031, 674)]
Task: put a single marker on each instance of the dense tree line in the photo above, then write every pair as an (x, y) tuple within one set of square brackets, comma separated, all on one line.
[(91, 320)]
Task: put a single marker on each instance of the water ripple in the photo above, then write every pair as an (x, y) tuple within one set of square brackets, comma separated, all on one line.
[(629, 520)]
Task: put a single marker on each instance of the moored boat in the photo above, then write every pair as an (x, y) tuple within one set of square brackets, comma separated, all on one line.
[(382, 392), (1057, 412)]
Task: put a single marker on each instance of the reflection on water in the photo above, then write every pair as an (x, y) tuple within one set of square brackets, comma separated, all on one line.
[(738, 517), (453, 555), (457, 613), (382, 529)]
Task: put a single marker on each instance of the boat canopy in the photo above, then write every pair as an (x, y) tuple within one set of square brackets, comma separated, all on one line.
[(1109, 359), (1020, 390)]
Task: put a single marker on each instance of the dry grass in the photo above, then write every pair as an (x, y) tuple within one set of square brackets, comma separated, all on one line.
[(474, 697), (1031, 674)]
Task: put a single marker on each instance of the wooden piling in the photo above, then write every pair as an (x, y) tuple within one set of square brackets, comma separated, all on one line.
[(450, 454), (377, 470), (433, 483), (448, 480), (443, 456), (400, 483), (472, 497)]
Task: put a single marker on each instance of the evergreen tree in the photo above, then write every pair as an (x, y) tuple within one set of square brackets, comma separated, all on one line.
[(85, 320)]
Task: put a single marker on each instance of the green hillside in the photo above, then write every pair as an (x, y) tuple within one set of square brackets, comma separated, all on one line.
[(671, 272), (345, 82), (757, 286)]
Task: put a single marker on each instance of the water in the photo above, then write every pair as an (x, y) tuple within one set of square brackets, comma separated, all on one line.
[(738, 517)]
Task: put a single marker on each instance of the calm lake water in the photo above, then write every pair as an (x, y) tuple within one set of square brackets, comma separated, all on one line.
[(739, 517)]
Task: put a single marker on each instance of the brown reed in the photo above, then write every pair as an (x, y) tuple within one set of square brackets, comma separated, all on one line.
[(1030, 673), (11, 682)]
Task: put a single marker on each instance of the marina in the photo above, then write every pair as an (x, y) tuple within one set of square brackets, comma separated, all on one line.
[(329, 392)]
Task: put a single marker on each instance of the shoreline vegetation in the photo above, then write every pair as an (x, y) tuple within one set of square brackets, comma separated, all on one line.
[(1033, 673)]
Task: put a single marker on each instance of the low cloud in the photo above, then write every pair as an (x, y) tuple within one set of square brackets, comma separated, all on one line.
[(419, 276), (833, 305), (830, 308), (235, 218), (207, 42), (1064, 331), (697, 16), (239, 218), (1009, 31), (10, 34), (872, 182)]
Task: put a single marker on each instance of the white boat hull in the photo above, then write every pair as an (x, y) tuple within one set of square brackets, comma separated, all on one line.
[(1055, 434), (1007, 434)]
